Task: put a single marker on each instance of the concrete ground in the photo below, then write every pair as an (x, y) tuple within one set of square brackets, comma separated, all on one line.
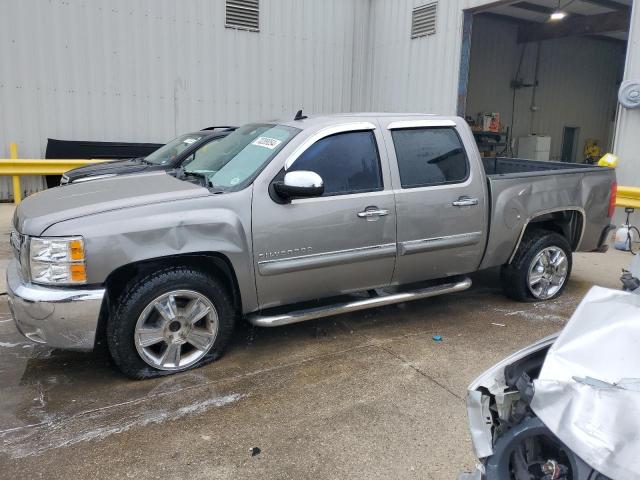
[(365, 395)]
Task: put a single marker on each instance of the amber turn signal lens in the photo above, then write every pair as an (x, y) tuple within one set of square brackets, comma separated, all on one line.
[(76, 250), (78, 272)]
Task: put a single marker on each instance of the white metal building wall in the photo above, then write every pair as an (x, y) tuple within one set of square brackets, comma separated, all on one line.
[(578, 75), (420, 74), (147, 70)]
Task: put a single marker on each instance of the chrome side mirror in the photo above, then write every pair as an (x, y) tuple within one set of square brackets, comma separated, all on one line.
[(300, 184)]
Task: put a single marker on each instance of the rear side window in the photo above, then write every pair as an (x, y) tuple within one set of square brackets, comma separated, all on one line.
[(430, 156), (347, 162)]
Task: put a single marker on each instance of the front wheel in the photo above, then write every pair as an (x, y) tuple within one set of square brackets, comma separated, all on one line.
[(170, 321), (540, 268)]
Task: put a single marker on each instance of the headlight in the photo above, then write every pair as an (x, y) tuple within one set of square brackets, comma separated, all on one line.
[(57, 260)]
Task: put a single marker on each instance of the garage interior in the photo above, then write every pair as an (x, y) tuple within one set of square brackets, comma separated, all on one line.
[(543, 76)]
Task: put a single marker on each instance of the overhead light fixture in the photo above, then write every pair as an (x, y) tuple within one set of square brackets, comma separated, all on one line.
[(560, 12), (557, 15)]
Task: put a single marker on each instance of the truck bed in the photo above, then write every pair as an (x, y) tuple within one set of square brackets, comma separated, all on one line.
[(519, 167), (520, 191)]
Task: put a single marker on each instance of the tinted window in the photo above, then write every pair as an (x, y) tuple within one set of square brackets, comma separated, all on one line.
[(430, 156), (347, 162)]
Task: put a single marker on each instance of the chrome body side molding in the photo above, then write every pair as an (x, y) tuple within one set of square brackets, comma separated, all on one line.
[(439, 243), (319, 260)]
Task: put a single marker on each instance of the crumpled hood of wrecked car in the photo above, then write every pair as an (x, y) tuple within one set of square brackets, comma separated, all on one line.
[(41, 210), (588, 391)]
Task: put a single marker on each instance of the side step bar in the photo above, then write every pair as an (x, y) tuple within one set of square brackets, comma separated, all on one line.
[(262, 319)]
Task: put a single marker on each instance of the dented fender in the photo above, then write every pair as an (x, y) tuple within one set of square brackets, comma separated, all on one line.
[(214, 223)]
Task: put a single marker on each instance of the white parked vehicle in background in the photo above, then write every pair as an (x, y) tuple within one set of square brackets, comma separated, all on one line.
[(568, 406)]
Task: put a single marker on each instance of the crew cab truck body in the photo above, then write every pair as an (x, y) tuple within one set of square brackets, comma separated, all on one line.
[(284, 222)]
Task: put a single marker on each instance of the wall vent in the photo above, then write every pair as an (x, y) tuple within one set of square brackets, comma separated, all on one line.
[(243, 14), (423, 20)]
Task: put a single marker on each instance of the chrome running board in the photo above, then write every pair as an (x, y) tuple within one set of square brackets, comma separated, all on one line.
[(263, 319)]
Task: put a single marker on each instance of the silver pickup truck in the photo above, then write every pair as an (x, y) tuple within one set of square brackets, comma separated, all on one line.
[(282, 222)]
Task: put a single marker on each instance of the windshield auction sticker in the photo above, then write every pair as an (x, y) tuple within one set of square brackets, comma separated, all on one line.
[(266, 142)]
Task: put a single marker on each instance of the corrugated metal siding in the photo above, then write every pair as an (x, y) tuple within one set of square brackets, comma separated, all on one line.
[(577, 83), (420, 74), (145, 71)]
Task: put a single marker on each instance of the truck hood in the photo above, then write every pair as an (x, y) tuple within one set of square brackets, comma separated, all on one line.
[(118, 167), (41, 210)]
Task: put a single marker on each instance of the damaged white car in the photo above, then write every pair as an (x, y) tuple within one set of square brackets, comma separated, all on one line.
[(568, 406)]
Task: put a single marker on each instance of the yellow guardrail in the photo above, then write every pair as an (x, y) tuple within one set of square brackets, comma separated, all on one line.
[(32, 166), (628, 197), (16, 168)]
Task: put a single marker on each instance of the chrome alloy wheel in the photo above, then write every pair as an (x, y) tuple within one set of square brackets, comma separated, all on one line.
[(547, 273), (176, 330)]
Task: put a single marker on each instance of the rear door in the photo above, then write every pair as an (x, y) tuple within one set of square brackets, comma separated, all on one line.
[(340, 242), (440, 198)]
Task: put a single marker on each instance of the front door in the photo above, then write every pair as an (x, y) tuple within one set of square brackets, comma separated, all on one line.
[(440, 199), (340, 242)]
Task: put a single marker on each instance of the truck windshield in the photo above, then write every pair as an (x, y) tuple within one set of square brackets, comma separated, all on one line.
[(169, 152), (236, 158)]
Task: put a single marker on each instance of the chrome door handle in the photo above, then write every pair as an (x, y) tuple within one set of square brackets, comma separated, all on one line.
[(373, 213), (465, 202)]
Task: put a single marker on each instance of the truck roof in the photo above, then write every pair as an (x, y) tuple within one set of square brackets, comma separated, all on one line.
[(314, 121)]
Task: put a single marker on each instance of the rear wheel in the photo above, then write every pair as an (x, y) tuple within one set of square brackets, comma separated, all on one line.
[(540, 268), (170, 321)]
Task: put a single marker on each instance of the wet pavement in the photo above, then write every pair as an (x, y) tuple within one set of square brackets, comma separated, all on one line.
[(364, 395)]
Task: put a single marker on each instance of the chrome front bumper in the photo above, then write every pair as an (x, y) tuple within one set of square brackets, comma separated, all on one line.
[(59, 317)]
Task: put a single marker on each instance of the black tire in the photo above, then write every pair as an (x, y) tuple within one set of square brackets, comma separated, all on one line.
[(140, 292), (514, 276)]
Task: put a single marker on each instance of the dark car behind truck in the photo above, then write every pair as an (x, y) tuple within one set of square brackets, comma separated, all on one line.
[(166, 157)]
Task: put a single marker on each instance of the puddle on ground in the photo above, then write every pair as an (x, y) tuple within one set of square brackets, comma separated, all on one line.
[(98, 424)]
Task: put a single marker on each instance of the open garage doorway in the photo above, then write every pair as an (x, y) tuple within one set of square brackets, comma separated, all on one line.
[(539, 78)]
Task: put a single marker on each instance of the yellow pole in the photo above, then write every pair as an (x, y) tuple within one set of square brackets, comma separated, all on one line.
[(17, 189)]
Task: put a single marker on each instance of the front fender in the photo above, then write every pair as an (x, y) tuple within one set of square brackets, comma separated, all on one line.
[(216, 223)]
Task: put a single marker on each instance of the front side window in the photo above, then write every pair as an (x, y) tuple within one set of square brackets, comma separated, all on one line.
[(235, 159), (430, 156), (202, 151), (347, 162), (168, 153)]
